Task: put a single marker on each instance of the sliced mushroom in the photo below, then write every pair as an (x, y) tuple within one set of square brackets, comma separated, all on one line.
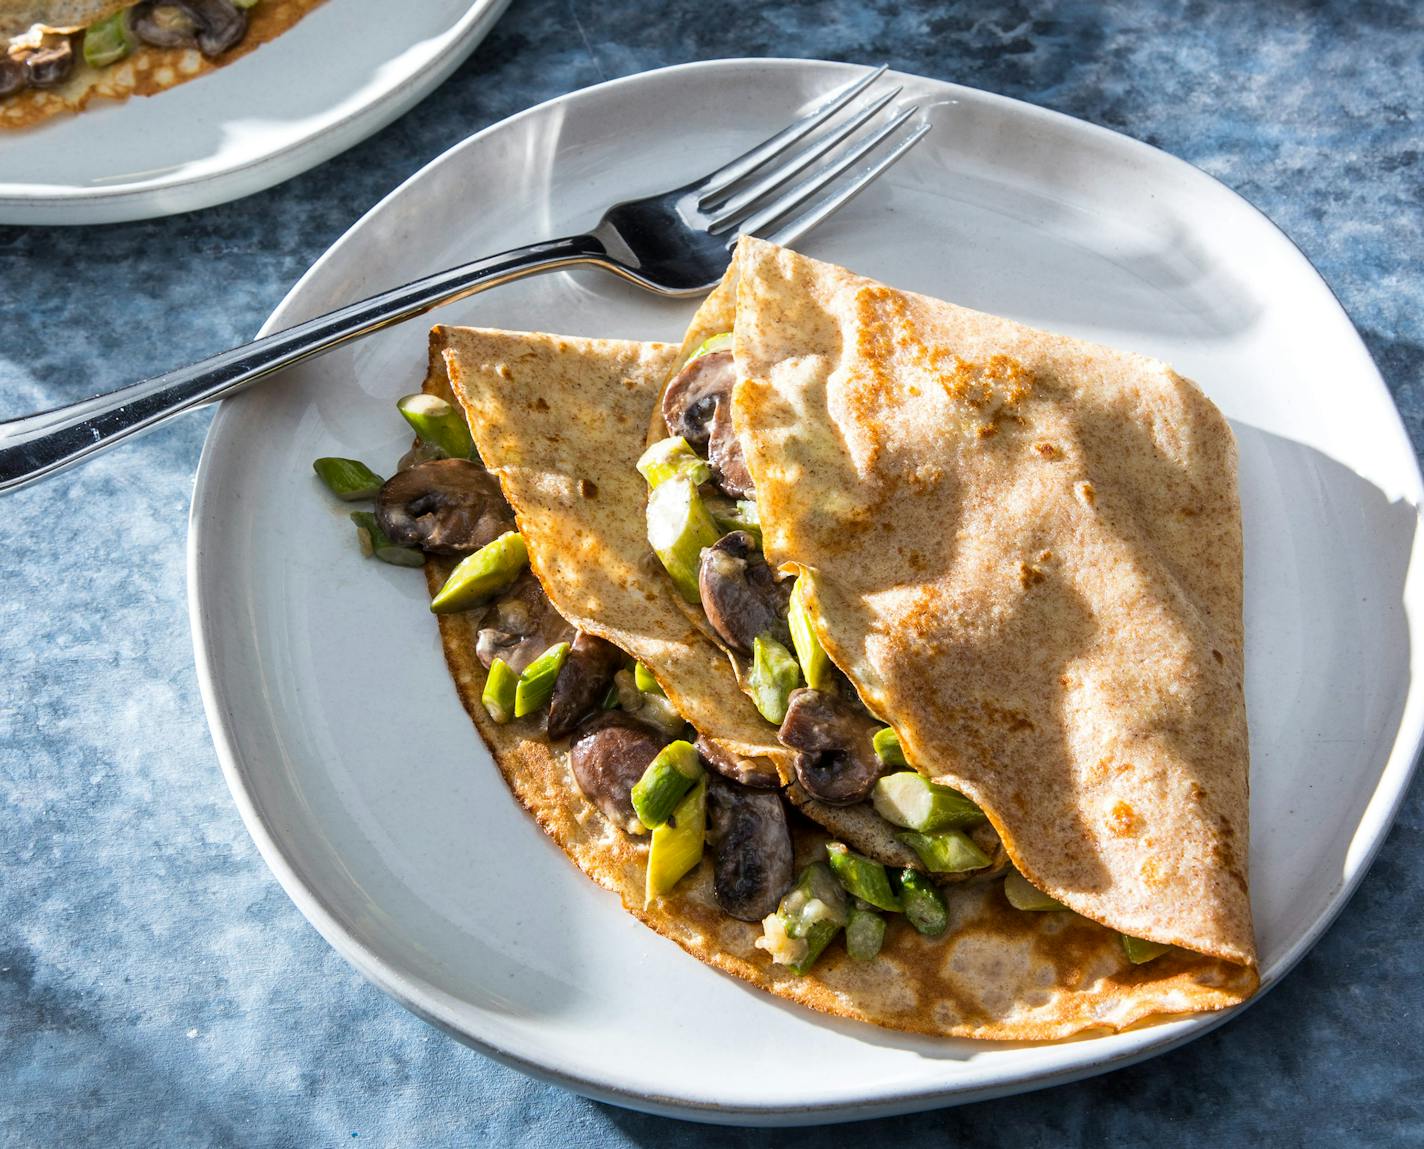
[(608, 755), (587, 674), (520, 625), (751, 848), (758, 773), (837, 763), (724, 452), (14, 76), (211, 26), (445, 507), (51, 65), (692, 398), (741, 594)]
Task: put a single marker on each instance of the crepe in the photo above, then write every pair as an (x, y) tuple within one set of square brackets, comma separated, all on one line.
[(560, 421), (1025, 552), (145, 72)]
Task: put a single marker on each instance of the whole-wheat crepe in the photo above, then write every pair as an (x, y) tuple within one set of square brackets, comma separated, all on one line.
[(145, 72), (561, 422)]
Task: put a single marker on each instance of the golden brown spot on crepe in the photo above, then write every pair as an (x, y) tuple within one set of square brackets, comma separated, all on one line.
[(1152, 872), (1048, 450), (588, 488), (1216, 654), (1029, 575), (1087, 493), (1123, 820), (541, 404), (503, 371)]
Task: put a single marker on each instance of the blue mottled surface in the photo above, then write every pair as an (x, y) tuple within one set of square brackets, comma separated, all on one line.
[(158, 988)]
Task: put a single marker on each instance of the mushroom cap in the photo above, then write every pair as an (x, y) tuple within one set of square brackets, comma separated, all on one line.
[(692, 398), (608, 755), (444, 507), (582, 683), (745, 771), (51, 65), (752, 858), (724, 452), (211, 26), (520, 625), (741, 595), (837, 763), (14, 76)]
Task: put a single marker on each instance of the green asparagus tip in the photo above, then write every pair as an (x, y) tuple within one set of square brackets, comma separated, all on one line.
[(499, 691), (348, 479), (887, 748), (925, 907), (437, 423), (1140, 951), (671, 458), (910, 800), (809, 652), (1023, 895), (108, 41), (947, 852), (486, 572), (536, 684), (774, 675), (862, 877), (679, 528), (670, 775)]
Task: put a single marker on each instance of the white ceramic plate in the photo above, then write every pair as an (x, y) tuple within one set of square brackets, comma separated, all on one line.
[(246, 126), (377, 806)]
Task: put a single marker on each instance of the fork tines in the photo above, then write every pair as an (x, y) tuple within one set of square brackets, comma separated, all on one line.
[(833, 148)]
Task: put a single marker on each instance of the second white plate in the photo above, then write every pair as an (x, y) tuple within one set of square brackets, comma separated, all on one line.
[(346, 70), (379, 810)]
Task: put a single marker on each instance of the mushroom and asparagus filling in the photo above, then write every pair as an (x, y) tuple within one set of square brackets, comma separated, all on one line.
[(631, 754), (46, 57)]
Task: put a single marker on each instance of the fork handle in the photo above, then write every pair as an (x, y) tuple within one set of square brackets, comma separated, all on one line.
[(34, 446)]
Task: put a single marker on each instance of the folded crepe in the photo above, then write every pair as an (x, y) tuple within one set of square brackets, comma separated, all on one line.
[(1047, 612)]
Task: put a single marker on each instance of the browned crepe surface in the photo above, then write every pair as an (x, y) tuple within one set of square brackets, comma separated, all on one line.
[(1025, 551), (550, 413), (146, 72)]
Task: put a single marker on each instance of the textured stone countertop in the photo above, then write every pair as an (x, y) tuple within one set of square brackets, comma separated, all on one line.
[(156, 985)]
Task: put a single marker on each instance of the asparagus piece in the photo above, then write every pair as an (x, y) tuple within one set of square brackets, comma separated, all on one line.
[(722, 342), (498, 694), (739, 516), (809, 652), (437, 423), (108, 41), (536, 684), (669, 776), (865, 933), (774, 676), (810, 914), (676, 845), (916, 803), (862, 877), (375, 541), (1023, 896), (1140, 951), (924, 905), (948, 852), (644, 680), (887, 748), (486, 572), (671, 458), (679, 527), (348, 479)]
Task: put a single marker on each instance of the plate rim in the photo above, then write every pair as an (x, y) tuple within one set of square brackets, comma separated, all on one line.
[(71, 205), (1119, 1050)]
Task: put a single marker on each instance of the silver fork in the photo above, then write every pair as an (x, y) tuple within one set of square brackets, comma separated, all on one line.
[(677, 243)]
